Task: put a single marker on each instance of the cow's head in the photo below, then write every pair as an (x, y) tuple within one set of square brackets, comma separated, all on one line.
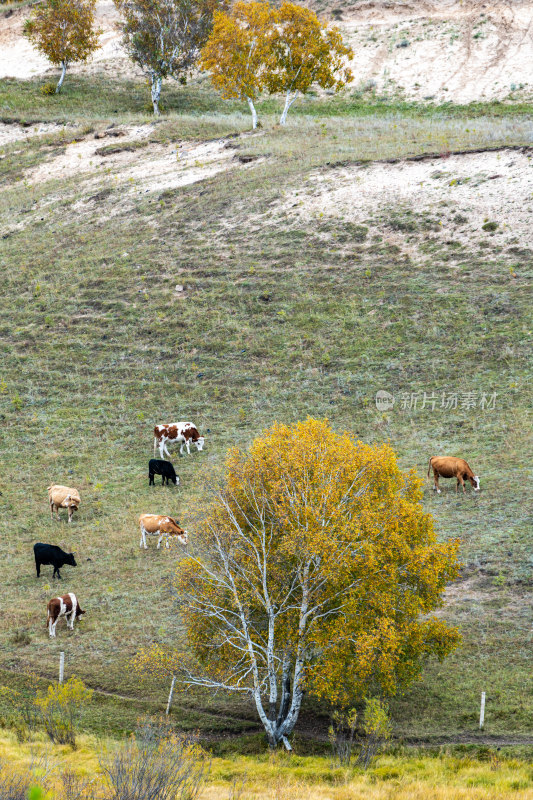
[(71, 502), (69, 559), (175, 480), (476, 483), (200, 443), (181, 534), (79, 612)]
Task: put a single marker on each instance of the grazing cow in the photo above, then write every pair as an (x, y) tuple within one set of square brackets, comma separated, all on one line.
[(162, 526), (163, 468), (65, 606), (51, 554), (63, 497), (182, 432), (451, 467)]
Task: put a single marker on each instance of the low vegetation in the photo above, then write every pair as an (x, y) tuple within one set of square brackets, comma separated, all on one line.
[(280, 315)]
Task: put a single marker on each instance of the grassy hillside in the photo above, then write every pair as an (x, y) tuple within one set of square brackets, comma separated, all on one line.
[(279, 318)]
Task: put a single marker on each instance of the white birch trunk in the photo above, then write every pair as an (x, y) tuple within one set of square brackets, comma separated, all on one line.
[(254, 112), (289, 100), (156, 92), (64, 65), (167, 712)]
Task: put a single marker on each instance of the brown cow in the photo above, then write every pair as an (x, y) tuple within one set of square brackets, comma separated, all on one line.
[(65, 606), (160, 525), (451, 467), (63, 497), (180, 432)]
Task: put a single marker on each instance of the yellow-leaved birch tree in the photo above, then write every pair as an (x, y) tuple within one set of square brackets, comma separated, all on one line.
[(238, 53), (306, 52), (315, 568), (64, 31)]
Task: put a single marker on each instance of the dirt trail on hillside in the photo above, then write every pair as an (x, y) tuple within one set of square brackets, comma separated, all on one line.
[(444, 50)]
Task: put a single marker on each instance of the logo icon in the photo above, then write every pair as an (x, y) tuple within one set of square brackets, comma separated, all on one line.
[(384, 400)]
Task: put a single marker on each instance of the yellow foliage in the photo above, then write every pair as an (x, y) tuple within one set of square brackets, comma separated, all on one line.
[(257, 46), (341, 523), (307, 51), (63, 30), (238, 51)]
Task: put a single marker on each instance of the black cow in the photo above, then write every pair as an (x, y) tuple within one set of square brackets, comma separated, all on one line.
[(164, 468), (54, 555)]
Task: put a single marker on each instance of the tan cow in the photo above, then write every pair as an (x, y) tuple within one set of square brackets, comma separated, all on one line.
[(63, 497), (160, 525), (451, 467)]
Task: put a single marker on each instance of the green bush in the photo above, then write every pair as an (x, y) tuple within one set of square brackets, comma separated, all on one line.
[(60, 709)]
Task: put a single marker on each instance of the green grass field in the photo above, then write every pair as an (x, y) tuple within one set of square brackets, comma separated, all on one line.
[(280, 319)]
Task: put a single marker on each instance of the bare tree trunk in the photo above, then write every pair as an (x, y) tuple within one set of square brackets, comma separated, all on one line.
[(156, 92), (254, 112), (289, 100), (167, 712), (64, 65)]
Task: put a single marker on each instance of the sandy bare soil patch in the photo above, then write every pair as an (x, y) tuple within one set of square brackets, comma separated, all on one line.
[(154, 167), (459, 51), (14, 132), (480, 187)]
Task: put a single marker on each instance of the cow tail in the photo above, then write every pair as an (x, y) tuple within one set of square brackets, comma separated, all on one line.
[(155, 444), (429, 466)]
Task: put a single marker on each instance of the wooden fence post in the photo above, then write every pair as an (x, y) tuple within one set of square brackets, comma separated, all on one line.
[(170, 695), (61, 666), (482, 712)]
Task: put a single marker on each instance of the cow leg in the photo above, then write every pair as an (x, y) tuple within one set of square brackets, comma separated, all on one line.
[(58, 574), (151, 481), (52, 627), (165, 448), (436, 479), (159, 541), (51, 509), (70, 512), (38, 567), (187, 445), (143, 539), (70, 622), (460, 481)]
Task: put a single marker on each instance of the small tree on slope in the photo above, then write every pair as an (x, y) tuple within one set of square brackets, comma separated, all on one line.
[(317, 571), (238, 52), (64, 31), (164, 37), (306, 52)]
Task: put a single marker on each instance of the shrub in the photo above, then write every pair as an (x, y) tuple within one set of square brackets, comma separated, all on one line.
[(158, 764), (48, 88), (60, 709), (13, 785), (377, 728), (489, 226), (341, 733), (23, 717)]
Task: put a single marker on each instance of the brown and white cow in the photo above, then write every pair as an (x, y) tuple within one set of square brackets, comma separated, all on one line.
[(182, 432), (451, 467), (160, 525), (63, 497), (65, 606)]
